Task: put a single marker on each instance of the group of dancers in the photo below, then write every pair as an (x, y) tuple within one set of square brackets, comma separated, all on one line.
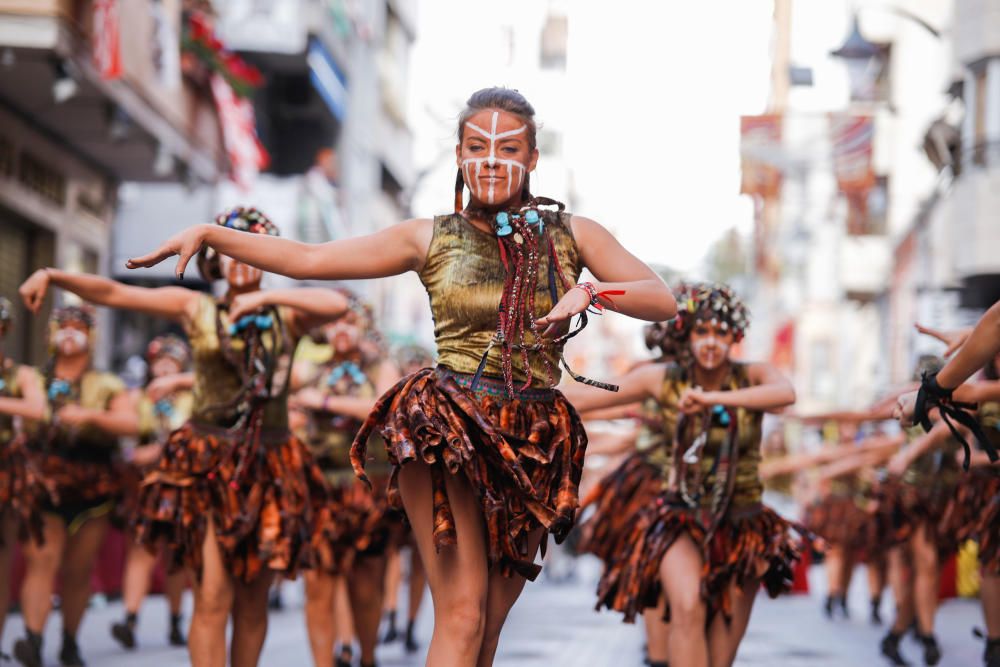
[(270, 468)]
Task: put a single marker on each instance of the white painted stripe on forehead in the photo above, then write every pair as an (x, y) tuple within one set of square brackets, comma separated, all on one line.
[(492, 135)]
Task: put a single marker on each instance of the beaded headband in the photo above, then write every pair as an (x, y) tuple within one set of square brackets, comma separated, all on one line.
[(168, 345)]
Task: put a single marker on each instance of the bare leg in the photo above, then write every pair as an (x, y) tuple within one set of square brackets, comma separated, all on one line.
[(927, 575), (78, 563), (657, 633), (139, 564), (213, 600), (173, 588), (42, 561), (902, 590), (680, 576), (366, 586), (989, 592), (417, 585), (834, 563), (8, 535), (457, 575), (319, 616), (501, 596), (343, 617), (250, 619), (393, 579), (724, 640)]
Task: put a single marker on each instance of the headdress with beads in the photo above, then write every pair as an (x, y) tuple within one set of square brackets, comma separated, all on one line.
[(65, 314), (707, 302), (169, 345), (239, 218)]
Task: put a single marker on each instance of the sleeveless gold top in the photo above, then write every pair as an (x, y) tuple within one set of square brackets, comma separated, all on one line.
[(329, 435), (654, 443), (94, 390), (9, 388), (748, 488), (217, 382), (157, 419), (464, 278)]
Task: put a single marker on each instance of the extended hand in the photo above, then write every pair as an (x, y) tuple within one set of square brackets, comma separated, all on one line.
[(573, 302), (162, 387), (953, 339), (186, 245), (898, 464), (904, 409), (244, 304), (308, 398), (34, 289), (74, 415), (695, 400)]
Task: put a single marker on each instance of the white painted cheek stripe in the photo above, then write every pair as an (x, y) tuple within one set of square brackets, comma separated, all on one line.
[(492, 159)]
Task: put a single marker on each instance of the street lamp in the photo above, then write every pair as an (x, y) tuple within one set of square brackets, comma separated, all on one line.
[(865, 62)]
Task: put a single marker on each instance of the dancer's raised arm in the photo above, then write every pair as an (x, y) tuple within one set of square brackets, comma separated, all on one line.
[(769, 391), (388, 252)]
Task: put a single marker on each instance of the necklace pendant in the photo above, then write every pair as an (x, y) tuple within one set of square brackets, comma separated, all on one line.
[(518, 239)]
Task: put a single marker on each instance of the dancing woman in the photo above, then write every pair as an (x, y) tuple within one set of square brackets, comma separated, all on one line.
[(486, 454), (356, 523), (21, 398), (232, 492), (72, 481), (707, 542), (165, 405)]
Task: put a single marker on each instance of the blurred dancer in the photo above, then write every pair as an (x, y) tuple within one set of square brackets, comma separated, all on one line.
[(21, 398), (232, 492), (73, 461), (165, 405), (480, 485), (707, 543), (356, 524)]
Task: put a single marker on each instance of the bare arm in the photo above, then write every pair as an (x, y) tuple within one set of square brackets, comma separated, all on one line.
[(797, 462), (389, 252), (980, 347), (953, 339), (120, 418), (32, 403), (311, 306), (172, 303), (352, 406), (637, 385), (609, 443), (976, 392), (770, 391), (852, 464)]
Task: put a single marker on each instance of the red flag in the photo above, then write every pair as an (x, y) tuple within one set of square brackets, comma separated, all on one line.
[(106, 39)]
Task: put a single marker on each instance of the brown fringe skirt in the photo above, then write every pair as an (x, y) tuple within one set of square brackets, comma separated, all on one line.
[(522, 457), (839, 521), (618, 500), (974, 514), (355, 522), (23, 491), (262, 518), (752, 543), (906, 507)]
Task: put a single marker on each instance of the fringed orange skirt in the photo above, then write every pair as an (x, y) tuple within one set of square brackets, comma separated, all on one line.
[(354, 523), (23, 491), (974, 513), (260, 503), (523, 457), (906, 507), (750, 544), (839, 521), (618, 500)]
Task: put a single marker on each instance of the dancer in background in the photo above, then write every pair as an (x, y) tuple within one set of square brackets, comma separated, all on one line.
[(21, 398), (707, 543), (73, 459), (165, 404), (233, 491), (481, 485)]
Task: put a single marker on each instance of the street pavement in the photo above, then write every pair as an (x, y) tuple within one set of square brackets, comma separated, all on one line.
[(553, 625)]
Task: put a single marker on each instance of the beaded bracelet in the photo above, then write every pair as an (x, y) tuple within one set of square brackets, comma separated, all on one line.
[(595, 296)]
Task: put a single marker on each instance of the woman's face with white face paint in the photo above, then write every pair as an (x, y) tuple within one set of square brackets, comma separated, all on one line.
[(495, 157), (71, 339), (710, 344), (238, 274)]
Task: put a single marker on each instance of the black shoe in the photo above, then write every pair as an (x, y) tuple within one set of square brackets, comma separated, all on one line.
[(274, 600), (69, 654), (124, 634), (176, 635), (346, 657), (876, 616), (991, 654), (28, 650), (391, 633), (411, 644), (932, 652), (890, 649), (828, 607), (842, 602)]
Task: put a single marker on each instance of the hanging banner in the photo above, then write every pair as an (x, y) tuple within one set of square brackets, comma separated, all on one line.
[(239, 133), (106, 39), (760, 146), (851, 137)]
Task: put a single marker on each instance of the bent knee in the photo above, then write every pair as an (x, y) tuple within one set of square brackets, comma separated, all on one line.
[(465, 616)]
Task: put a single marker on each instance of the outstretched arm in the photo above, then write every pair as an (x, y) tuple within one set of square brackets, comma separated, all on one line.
[(770, 391), (953, 339), (311, 306), (927, 442), (120, 418), (170, 302), (32, 403), (389, 252), (980, 347), (637, 385)]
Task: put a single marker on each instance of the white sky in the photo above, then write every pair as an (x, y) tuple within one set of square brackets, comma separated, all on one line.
[(649, 107)]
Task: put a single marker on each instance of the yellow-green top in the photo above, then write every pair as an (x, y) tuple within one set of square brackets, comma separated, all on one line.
[(464, 278), (217, 382), (748, 488), (95, 390)]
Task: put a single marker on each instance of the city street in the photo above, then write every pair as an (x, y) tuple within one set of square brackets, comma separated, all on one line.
[(553, 626)]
